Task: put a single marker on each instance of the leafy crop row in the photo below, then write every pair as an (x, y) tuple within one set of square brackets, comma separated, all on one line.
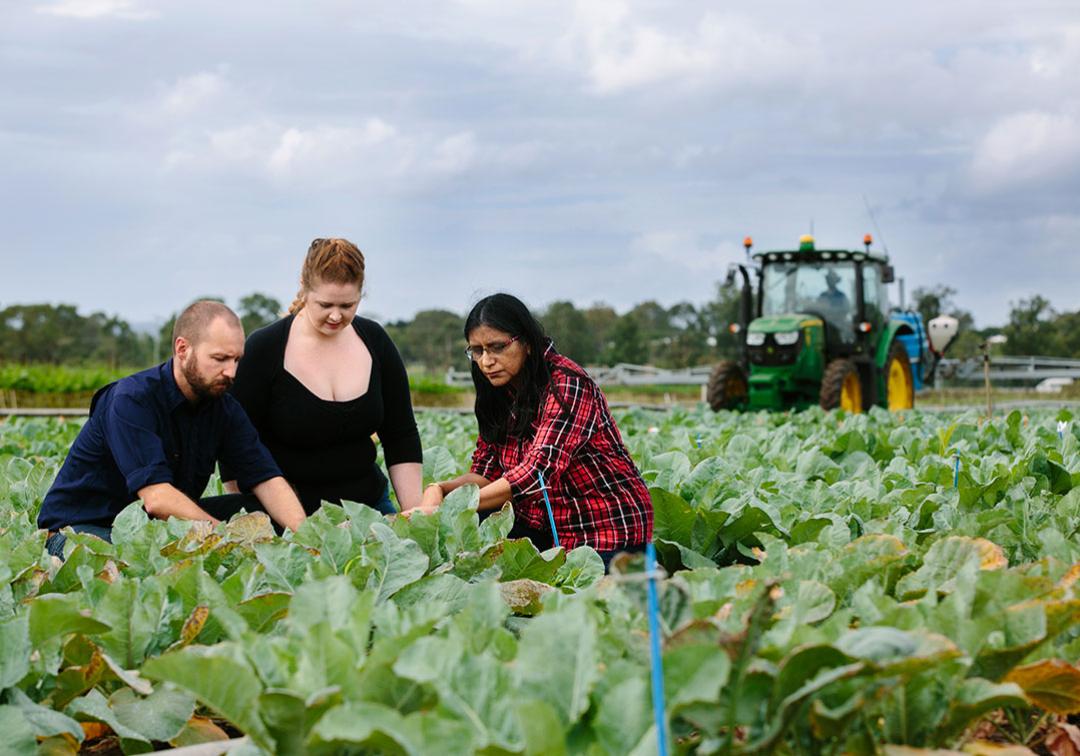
[(831, 592)]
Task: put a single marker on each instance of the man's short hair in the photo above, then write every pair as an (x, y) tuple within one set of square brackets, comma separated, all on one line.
[(197, 317)]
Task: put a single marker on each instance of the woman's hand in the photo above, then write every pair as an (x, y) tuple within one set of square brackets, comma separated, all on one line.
[(431, 499)]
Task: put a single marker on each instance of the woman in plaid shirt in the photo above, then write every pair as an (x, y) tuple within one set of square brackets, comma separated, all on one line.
[(540, 413)]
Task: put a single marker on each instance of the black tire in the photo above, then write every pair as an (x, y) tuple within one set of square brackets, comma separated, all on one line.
[(837, 373), (905, 398), (728, 388)]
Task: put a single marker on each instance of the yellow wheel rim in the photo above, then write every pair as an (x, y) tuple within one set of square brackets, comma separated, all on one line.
[(899, 388), (851, 393)]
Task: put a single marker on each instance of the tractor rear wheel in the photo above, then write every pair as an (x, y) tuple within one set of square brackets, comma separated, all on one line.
[(840, 386), (899, 384), (727, 387)]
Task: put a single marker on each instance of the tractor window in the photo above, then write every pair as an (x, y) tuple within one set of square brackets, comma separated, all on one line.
[(821, 288), (874, 295)]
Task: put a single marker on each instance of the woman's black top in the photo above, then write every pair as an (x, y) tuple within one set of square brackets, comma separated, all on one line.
[(324, 448)]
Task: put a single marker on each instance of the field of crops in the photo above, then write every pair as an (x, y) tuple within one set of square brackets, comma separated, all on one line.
[(839, 584)]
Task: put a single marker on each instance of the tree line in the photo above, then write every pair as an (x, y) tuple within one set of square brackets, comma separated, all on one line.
[(682, 335)]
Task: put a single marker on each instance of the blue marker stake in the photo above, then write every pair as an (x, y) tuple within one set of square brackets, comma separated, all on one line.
[(698, 441), (654, 647), (547, 503), (956, 473)]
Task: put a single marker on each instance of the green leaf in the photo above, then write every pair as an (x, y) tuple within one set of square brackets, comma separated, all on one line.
[(15, 649), (974, 698), (45, 722), (130, 524), (160, 716), (694, 674), (220, 680), (57, 614), (18, 735), (361, 725), (557, 660), (583, 567), (673, 517), (624, 716), (497, 526), (520, 560), (284, 564), (94, 707), (134, 609), (544, 732), (397, 562)]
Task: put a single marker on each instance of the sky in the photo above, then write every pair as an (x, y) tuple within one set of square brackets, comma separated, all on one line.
[(594, 151)]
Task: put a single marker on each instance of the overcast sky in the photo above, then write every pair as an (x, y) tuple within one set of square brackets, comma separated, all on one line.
[(600, 150)]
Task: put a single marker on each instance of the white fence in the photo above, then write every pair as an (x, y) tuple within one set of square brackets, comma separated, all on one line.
[(1024, 369)]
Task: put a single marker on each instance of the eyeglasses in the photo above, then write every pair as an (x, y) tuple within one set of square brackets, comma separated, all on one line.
[(474, 353)]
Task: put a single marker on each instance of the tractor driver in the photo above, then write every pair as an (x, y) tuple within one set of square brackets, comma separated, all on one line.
[(832, 300)]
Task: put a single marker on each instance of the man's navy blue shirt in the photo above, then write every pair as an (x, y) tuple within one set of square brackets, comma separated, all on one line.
[(143, 431)]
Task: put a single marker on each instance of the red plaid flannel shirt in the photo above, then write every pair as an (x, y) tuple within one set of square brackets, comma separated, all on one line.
[(597, 494)]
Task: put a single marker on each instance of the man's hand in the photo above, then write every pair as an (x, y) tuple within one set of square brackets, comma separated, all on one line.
[(164, 500)]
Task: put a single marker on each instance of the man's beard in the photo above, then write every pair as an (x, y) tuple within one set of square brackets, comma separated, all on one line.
[(202, 388)]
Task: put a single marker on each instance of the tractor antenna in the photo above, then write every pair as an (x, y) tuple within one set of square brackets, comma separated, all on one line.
[(877, 230)]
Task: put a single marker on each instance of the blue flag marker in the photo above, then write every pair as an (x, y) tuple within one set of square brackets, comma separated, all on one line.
[(547, 503), (956, 473), (654, 647)]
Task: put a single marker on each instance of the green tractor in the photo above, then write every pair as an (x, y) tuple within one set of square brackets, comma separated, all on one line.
[(815, 327)]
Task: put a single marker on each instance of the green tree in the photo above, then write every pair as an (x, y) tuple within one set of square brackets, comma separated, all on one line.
[(627, 343), (258, 310), (432, 339), (1030, 329), (717, 317), (600, 321), (567, 326)]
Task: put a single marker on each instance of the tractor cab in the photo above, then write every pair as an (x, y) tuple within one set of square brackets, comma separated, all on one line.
[(819, 330), (845, 290)]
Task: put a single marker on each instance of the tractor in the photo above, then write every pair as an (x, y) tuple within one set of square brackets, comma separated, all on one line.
[(815, 327)]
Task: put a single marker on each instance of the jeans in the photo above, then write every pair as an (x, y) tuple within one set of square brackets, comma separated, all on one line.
[(55, 543)]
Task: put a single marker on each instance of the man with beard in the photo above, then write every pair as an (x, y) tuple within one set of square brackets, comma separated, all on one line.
[(156, 436)]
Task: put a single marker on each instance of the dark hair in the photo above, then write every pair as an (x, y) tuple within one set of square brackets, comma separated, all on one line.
[(501, 412), (197, 317)]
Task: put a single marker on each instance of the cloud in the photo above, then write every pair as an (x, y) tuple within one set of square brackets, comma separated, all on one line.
[(192, 92), (308, 150), (129, 10), (1029, 148), (374, 155), (681, 249), (621, 52)]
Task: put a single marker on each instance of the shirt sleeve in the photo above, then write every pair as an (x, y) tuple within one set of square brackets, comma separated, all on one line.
[(134, 440), (251, 388), (567, 419), (398, 433), (242, 453), (485, 461)]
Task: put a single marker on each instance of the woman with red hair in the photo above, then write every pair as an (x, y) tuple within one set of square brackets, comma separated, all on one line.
[(322, 381)]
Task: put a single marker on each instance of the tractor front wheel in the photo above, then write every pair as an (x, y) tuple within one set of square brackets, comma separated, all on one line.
[(840, 386), (728, 388), (899, 384)]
